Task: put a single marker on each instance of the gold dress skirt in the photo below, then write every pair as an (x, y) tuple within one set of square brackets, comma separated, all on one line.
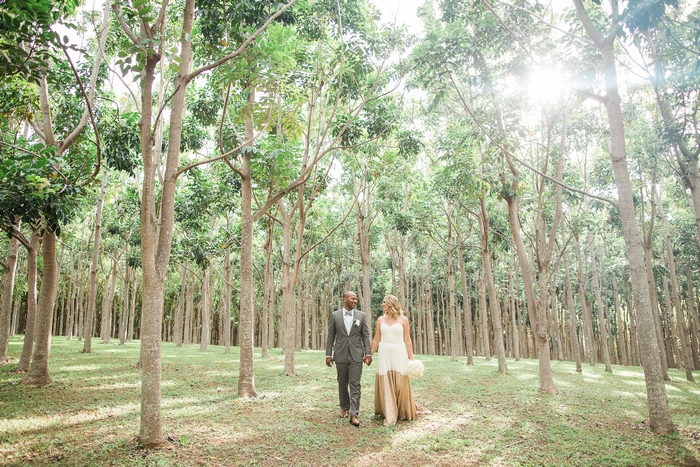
[(393, 395)]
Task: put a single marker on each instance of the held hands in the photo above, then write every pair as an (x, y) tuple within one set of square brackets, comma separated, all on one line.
[(367, 360)]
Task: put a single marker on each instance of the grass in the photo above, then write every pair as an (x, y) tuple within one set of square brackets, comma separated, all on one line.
[(89, 415)]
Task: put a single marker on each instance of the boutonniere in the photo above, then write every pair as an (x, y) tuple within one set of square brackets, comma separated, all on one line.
[(357, 322)]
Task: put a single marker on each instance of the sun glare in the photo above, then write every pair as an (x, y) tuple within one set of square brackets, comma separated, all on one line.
[(545, 84)]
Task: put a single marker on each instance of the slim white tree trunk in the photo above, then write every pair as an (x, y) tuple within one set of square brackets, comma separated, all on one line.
[(92, 285)]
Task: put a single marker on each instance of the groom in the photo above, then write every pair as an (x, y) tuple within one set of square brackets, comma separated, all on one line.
[(348, 345)]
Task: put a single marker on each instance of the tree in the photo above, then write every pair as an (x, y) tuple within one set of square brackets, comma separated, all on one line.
[(157, 224), (659, 415), (41, 185)]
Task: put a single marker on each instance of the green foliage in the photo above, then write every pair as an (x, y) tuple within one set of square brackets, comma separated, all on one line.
[(643, 15), (458, 177), (26, 36), (225, 25), (409, 142), (18, 100), (205, 106), (193, 136), (121, 143), (33, 186)]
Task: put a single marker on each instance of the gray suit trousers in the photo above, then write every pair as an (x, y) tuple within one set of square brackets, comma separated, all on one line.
[(349, 376)]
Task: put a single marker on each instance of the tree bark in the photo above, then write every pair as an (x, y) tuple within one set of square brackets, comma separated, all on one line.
[(621, 327), (484, 319), (206, 310), (430, 319), (575, 351), (586, 315), (496, 315), (538, 318), (8, 286), (685, 351), (693, 312), (34, 243), (107, 300), (226, 308), (454, 342), (38, 373), (179, 311), (466, 298), (602, 328), (92, 285), (289, 311), (246, 324)]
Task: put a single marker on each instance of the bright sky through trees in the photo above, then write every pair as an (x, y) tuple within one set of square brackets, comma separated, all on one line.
[(401, 12)]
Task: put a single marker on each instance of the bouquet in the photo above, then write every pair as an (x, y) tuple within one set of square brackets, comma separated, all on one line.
[(414, 369)]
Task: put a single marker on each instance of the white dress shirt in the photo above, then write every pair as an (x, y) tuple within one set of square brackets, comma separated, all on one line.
[(348, 319)]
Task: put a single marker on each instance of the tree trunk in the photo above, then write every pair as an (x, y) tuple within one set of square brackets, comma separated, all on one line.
[(454, 342), (575, 351), (680, 318), (554, 324), (657, 401), (586, 316), (364, 220), (38, 373), (430, 319), (602, 328), (466, 298), (289, 311), (92, 285), (226, 308), (693, 312), (189, 306), (483, 319), (246, 324), (179, 311), (121, 303), (132, 309), (8, 286), (496, 315), (654, 299), (107, 300), (30, 324), (621, 328), (206, 310), (538, 318)]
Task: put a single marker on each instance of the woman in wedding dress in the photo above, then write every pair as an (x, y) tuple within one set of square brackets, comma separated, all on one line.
[(393, 395)]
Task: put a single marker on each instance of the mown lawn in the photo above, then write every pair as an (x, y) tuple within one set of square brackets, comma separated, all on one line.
[(89, 415)]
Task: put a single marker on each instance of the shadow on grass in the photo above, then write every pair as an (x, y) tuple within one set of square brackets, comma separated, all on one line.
[(91, 417)]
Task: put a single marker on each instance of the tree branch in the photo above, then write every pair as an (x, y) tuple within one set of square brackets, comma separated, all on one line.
[(64, 144), (507, 152), (16, 233), (243, 46), (125, 27)]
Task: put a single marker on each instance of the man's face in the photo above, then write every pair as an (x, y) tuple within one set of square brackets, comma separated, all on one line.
[(350, 300)]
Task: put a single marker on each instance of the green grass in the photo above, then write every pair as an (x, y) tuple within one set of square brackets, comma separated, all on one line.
[(89, 415)]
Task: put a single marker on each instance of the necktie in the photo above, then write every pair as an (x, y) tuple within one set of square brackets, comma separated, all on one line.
[(348, 313)]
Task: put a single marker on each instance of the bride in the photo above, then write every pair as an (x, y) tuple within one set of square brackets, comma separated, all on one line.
[(393, 395)]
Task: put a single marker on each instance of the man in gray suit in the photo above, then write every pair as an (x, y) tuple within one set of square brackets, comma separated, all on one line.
[(348, 345)]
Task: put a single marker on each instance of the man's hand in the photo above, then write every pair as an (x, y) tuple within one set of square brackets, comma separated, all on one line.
[(367, 360), (329, 361)]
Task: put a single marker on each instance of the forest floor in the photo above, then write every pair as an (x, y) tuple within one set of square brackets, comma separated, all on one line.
[(89, 414)]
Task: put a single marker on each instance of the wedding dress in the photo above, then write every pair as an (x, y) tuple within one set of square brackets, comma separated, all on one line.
[(393, 395)]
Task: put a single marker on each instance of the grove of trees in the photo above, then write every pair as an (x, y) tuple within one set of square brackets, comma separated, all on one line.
[(522, 175)]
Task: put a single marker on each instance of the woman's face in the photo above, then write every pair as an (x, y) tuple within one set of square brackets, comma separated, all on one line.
[(385, 306)]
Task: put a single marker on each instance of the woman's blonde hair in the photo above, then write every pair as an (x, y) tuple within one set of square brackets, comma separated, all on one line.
[(394, 307)]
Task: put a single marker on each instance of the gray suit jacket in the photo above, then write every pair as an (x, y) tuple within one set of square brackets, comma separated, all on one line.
[(346, 348)]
